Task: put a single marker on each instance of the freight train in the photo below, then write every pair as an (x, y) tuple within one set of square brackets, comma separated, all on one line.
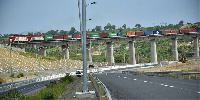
[(46, 38)]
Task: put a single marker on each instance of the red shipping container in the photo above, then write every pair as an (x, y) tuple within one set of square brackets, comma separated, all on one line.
[(88, 35), (192, 30), (65, 37), (165, 31), (77, 36), (183, 31), (139, 33), (174, 31), (58, 37), (102, 35)]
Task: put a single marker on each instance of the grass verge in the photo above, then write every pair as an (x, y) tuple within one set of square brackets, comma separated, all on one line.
[(51, 92)]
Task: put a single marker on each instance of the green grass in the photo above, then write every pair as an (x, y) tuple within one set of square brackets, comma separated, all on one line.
[(53, 91)]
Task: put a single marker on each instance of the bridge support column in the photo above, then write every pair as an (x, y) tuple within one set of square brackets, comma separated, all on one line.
[(110, 56), (174, 49), (42, 51), (89, 54), (153, 51), (196, 47), (132, 53), (65, 51)]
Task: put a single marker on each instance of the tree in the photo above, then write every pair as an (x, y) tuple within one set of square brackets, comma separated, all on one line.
[(181, 23), (113, 27), (124, 26), (30, 33), (98, 28), (137, 25), (72, 31)]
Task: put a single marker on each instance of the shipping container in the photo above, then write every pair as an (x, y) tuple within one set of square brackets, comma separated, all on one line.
[(198, 30), (139, 33), (133, 33), (78, 36), (69, 36), (48, 37), (183, 31), (148, 32), (192, 30), (166, 32), (112, 34), (95, 35), (104, 35), (123, 34), (129, 33), (174, 31), (58, 37), (119, 34), (88, 35), (157, 32)]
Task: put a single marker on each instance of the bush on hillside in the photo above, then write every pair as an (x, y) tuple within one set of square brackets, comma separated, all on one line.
[(1, 80)]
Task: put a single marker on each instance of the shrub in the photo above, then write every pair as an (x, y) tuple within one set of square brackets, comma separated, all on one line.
[(67, 78), (48, 95), (13, 75), (20, 75), (1, 80)]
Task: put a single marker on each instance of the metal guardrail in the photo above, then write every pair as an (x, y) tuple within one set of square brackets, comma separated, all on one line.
[(103, 92), (9, 86), (168, 74)]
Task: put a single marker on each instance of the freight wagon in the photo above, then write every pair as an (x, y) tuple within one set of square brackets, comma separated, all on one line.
[(60, 37), (95, 35)]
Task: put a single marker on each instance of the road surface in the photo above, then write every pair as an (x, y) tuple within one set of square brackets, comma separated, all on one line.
[(123, 86)]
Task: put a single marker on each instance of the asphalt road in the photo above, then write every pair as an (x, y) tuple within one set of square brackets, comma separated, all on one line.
[(123, 86)]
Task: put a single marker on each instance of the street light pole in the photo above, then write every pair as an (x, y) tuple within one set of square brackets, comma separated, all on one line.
[(85, 83)]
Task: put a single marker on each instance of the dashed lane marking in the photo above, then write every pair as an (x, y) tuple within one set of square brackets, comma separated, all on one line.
[(125, 77), (161, 84), (135, 79), (145, 81), (199, 92), (165, 85), (118, 76), (171, 86)]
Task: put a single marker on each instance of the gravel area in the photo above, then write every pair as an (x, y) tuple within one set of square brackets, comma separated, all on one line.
[(77, 86)]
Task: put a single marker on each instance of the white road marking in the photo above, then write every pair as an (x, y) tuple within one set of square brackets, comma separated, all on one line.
[(135, 79), (118, 76), (161, 84), (165, 85), (198, 92), (171, 86), (145, 81), (125, 77)]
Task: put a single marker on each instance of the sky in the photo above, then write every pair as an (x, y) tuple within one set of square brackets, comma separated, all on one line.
[(23, 16)]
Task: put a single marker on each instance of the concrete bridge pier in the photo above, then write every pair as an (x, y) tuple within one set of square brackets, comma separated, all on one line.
[(65, 51), (132, 59), (196, 47), (89, 54), (153, 51), (110, 56), (174, 49), (42, 51)]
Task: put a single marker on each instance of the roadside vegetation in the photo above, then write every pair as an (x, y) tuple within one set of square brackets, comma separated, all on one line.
[(51, 92)]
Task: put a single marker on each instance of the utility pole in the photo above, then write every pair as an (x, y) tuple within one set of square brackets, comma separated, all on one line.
[(11, 64), (85, 83)]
